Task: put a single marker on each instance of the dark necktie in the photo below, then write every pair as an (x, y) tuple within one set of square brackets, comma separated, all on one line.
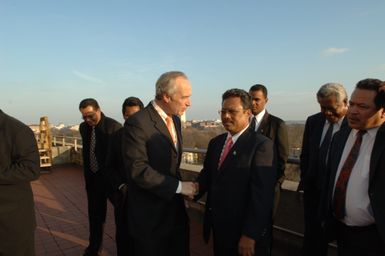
[(342, 181), (93, 160), (252, 123), (324, 148)]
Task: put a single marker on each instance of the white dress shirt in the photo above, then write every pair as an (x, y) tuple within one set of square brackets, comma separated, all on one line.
[(358, 209), (258, 118)]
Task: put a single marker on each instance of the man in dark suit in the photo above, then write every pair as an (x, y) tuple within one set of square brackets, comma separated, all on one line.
[(319, 129), (152, 148), (96, 132), (239, 175), (19, 165), (275, 129), (118, 179), (355, 209)]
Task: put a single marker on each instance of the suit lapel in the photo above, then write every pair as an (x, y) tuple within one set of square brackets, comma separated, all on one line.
[(160, 125), (264, 122), (337, 148), (178, 132), (377, 152), (217, 153), (234, 152), (318, 132)]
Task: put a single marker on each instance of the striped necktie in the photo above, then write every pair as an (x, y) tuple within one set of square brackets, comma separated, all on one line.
[(343, 179)]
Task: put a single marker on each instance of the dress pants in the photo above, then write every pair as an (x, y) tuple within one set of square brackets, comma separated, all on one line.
[(359, 241), (174, 242), (121, 224), (97, 209), (314, 243)]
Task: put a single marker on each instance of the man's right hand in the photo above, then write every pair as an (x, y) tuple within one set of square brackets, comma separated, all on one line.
[(189, 189)]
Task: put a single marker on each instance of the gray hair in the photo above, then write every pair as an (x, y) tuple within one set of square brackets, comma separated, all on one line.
[(333, 89), (166, 83)]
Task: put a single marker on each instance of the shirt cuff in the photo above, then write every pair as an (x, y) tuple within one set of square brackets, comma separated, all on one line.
[(179, 188), (121, 185)]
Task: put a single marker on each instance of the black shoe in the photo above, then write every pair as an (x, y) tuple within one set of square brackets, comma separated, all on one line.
[(89, 252)]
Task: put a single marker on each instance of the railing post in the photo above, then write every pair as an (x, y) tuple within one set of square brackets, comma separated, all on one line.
[(54, 141), (76, 144), (63, 141)]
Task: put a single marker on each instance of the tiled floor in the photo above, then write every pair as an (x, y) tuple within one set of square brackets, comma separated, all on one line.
[(61, 215)]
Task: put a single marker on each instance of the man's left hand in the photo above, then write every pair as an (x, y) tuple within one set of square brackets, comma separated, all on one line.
[(246, 246)]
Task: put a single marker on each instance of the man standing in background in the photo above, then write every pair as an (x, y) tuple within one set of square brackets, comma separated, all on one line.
[(118, 179), (319, 130), (355, 209), (152, 150), (96, 132), (275, 129)]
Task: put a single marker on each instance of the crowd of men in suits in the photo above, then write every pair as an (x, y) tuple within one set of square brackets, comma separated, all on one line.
[(137, 168)]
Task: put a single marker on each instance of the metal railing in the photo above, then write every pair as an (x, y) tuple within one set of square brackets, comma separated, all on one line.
[(76, 143)]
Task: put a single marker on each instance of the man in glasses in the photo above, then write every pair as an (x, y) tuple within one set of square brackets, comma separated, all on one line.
[(96, 132), (239, 175), (319, 130)]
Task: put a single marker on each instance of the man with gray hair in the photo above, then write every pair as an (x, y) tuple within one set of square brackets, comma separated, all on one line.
[(319, 130), (152, 149)]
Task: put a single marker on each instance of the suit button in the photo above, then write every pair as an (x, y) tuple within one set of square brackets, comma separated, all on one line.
[(210, 209)]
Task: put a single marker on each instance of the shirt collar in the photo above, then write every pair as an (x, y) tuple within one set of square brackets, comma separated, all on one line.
[(260, 115), (237, 135), (160, 111), (372, 132)]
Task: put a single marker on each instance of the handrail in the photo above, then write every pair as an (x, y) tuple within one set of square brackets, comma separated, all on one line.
[(76, 143)]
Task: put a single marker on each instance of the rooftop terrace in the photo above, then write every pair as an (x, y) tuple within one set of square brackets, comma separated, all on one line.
[(61, 214)]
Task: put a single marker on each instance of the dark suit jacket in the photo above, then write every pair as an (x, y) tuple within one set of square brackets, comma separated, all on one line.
[(311, 175), (115, 166), (152, 165), (376, 188), (19, 164), (240, 194), (275, 129), (104, 133)]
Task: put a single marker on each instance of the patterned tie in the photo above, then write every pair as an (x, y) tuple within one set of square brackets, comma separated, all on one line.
[(343, 178), (170, 125), (93, 160), (324, 148), (226, 150)]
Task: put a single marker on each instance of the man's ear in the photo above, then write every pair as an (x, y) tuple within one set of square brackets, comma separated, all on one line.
[(166, 98), (382, 113)]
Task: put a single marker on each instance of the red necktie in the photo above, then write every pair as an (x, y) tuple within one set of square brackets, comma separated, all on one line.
[(170, 124), (226, 149), (342, 181)]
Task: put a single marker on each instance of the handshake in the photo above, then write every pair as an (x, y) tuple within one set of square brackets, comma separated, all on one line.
[(190, 189)]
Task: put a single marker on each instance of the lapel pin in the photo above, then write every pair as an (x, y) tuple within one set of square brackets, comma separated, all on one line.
[(235, 153)]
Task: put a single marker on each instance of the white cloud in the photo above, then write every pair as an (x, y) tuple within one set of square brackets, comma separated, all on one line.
[(334, 51), (87, 77)]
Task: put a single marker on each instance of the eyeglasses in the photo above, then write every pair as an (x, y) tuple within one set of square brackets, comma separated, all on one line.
[(89, 116), (231, 112)]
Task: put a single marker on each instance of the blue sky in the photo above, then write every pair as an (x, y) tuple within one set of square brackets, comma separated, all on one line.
[(55, 53)]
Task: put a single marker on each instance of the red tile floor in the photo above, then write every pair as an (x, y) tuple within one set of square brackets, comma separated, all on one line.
[(61, 215)]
